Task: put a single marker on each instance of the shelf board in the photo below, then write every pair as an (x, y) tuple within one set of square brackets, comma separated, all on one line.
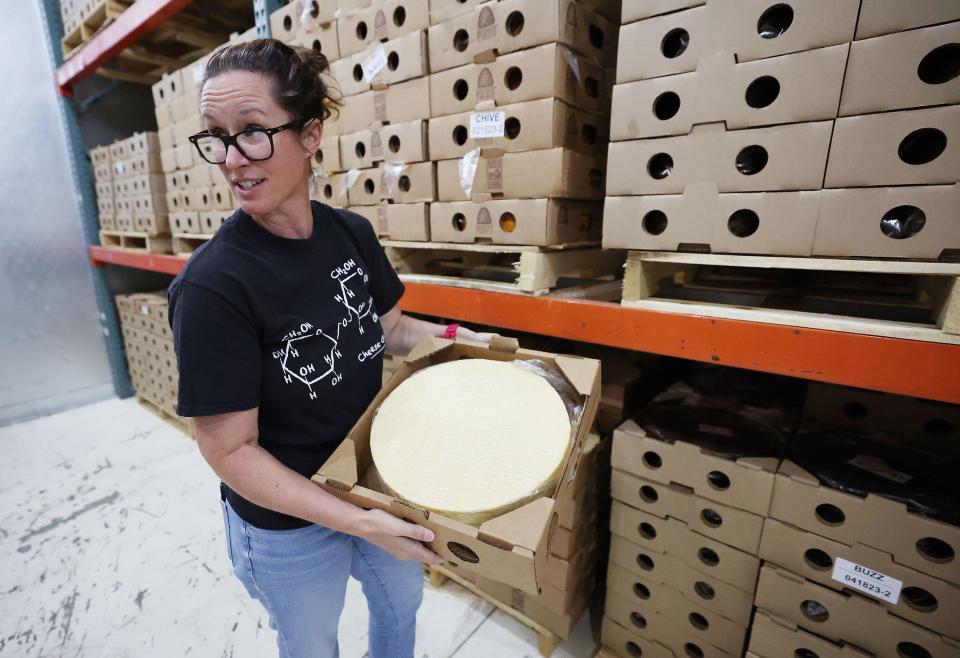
[(129, 27), (896, 365)]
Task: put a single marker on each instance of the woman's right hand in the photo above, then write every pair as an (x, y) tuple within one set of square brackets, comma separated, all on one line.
[(400, 538)]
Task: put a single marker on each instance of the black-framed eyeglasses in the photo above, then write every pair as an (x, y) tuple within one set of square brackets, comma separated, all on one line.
[(253, 143)]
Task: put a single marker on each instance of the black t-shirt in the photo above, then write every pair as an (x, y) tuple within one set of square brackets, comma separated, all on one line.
[(290, 326)]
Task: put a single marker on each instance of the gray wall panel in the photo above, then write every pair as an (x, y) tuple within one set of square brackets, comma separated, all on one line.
[(51, 343)]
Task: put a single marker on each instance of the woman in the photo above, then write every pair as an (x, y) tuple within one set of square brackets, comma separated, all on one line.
[(280, 323)]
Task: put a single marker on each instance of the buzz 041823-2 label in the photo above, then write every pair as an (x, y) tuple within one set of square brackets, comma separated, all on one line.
[(869, 581)]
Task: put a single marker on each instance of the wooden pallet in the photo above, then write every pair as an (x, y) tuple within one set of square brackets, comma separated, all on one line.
[(514, 269), (136, 241), (182, 424), (547, 640), (185, 244), (912, 300), (71, 40), (104, 13)]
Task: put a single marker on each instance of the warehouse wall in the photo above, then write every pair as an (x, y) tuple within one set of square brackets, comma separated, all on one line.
[(51, 343)]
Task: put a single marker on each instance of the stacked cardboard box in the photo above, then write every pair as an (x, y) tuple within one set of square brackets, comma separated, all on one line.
[(130, 188), (860, 547), (691, 485), (891, 180), (149, 346), (519, 121), (728, 113), (198, 197), (314, 25), (569, 578)]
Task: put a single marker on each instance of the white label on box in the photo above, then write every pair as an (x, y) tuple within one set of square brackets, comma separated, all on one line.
[(486, 124), (197, 74), (144, 309), (870, 582), (375, 61)]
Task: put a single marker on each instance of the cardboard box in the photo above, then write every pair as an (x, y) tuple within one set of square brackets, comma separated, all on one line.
[(383, 20), (752, 29), (185, 221), (164, 115), (924, 600), (665, 568), (706, 555), (186, 156), (531, 606), (510, 548), (773, 637), (100, 155), (405, 57), (184, 107), (324, 38), (548, 71), (151, 224), (729, 525), (628, 644), (212, 220), (635, 10), (444, 10), (147, 184), (774, 223), (166, 137), (917, 221), (685, 629), (746, 483), (791, 157), (921, 543), (149, 203), (846, 617), (327, 158), (566, 575), (903, 70), (223, 198), (896, 148), (398, 103), (569, 541), (168, 160), (532, 125), (142, 143), (103, 172), (331, 190), (543, 222), (924, 423), (285, 22), (532, 174), (795, 88), (511, 25), (400, 142), (885, 16), (182, 130), (398, 221)]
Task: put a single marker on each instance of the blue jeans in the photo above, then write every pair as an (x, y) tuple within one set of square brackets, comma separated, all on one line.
[(300, 577)]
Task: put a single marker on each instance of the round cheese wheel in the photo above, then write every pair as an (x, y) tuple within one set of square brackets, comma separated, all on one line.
[(470, 439)]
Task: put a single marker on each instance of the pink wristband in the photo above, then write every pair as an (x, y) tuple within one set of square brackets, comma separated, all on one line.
[(451, 331)]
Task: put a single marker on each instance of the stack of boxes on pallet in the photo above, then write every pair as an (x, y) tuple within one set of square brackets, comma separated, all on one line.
[(149, 346), (861, 545), (198, 198), (465, 122), (131, 203), (691, 485), (786, 128), (569, 578)]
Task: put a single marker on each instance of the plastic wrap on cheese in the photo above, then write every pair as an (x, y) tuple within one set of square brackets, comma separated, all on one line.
[(471, 439)]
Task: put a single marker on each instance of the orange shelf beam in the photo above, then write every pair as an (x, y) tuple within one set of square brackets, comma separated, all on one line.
[(133, 24), (904, 367)]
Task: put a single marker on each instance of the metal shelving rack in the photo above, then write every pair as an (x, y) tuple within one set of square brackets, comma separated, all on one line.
[(901, 366)]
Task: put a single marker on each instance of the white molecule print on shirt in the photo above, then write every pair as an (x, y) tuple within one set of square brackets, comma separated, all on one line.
[(310, 355)]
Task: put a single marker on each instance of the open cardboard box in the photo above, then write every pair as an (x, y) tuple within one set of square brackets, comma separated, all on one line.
[(511, 548)]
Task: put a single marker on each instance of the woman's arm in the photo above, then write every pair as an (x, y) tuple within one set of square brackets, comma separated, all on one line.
[(403, 332), (229, 443)]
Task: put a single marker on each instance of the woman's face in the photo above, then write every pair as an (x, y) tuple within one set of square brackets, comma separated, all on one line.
[(235, 101)]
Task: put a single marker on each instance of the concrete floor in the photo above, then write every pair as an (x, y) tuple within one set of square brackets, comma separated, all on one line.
[(112, 546)]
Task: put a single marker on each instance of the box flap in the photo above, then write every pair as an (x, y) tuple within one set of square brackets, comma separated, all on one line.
[(582, 373), (428, 345), (523, 526), (342, 464)]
